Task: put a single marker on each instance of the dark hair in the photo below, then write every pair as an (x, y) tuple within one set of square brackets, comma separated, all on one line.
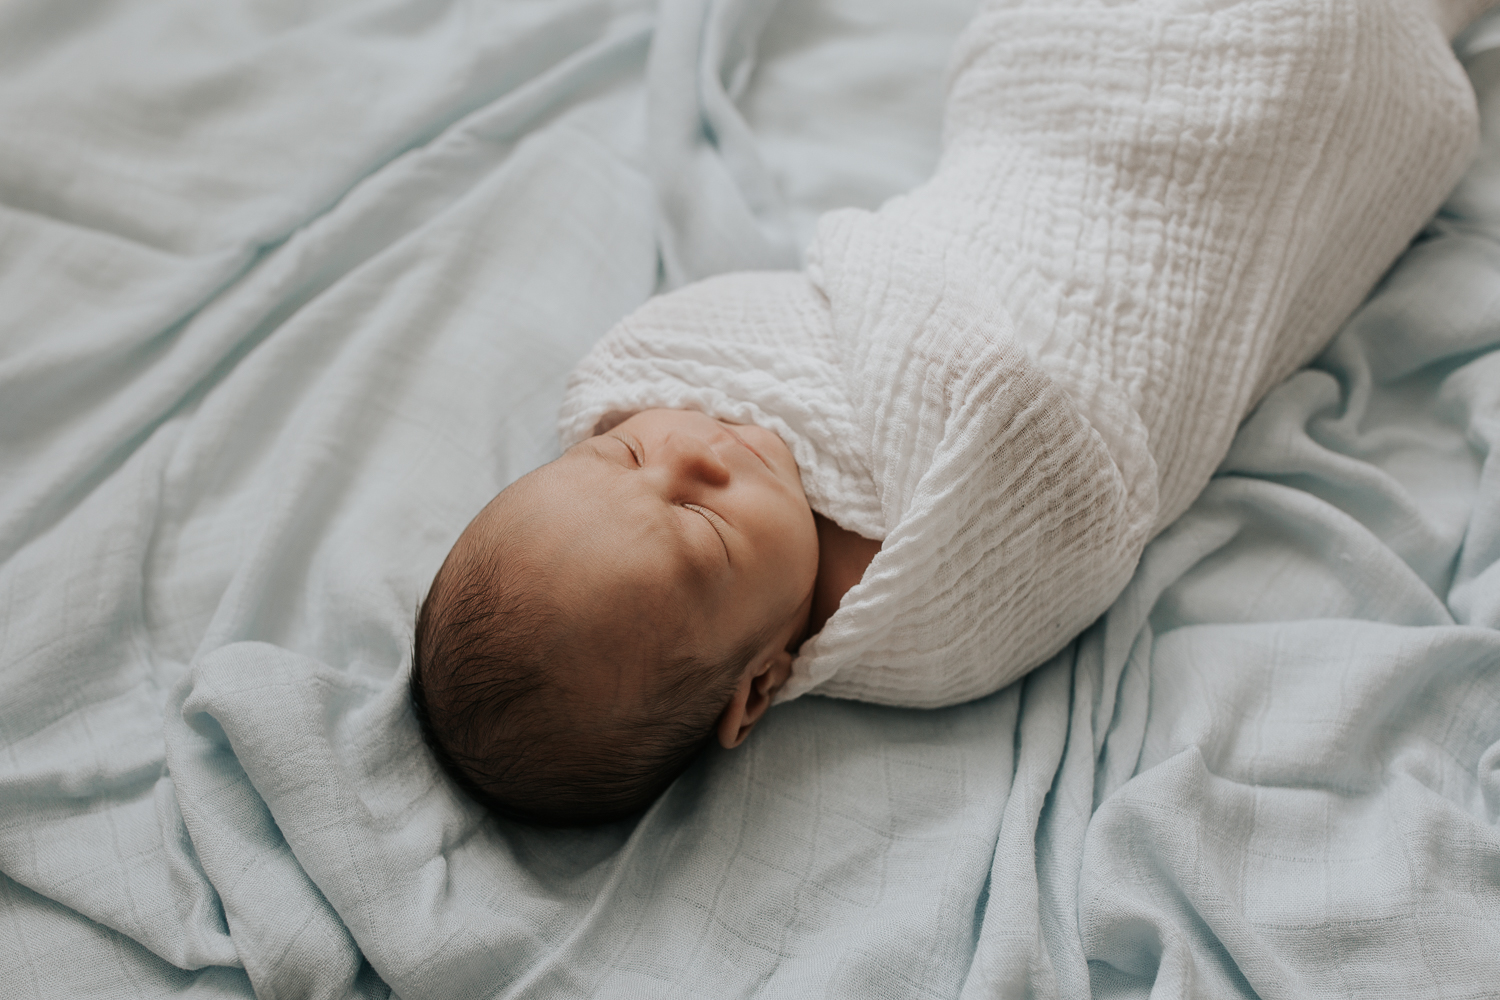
[(487, 661)]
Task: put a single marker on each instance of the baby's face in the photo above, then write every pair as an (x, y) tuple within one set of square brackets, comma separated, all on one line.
[(671, 515)]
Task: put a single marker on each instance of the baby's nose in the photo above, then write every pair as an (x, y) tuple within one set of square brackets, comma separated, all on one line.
[(694, 458)]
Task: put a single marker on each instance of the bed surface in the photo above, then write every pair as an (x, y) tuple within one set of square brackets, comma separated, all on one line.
[(288, 291)]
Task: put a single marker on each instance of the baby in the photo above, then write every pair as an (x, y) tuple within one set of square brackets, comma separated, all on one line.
[(607, 613), (993, 392)]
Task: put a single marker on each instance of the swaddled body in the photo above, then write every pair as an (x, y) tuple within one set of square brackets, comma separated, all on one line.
[(1145, 215)]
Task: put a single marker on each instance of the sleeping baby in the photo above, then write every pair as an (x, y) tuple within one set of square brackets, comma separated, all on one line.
[(918, 468)]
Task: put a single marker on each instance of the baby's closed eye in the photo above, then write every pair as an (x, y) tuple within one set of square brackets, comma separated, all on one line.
[(714, 520), (634, 447)]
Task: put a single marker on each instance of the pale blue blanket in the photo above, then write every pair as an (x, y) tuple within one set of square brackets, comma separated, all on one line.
[(287, 291)]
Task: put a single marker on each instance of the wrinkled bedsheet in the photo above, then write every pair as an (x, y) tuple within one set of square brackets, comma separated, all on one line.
[(287, 291)]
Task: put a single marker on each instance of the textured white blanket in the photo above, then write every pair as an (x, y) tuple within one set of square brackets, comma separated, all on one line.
[(1146, 214)]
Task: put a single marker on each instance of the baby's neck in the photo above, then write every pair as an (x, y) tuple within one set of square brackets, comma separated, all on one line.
[(843, 557)]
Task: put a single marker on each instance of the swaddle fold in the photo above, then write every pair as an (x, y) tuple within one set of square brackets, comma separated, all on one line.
[(1146, 214)]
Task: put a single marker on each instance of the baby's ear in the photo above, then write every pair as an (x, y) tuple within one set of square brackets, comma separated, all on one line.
[(752, 696)]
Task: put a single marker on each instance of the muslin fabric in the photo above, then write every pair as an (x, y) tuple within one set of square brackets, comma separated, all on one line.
[(1144, 217)]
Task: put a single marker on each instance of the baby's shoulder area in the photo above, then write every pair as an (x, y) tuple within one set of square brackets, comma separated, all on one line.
[(747, 348), (753, 310), (773, 308), (719, 345)]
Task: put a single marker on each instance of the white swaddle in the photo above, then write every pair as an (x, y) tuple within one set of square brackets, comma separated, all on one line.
[(1146, 214)]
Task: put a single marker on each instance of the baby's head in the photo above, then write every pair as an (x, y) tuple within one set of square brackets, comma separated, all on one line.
[(607, 614)]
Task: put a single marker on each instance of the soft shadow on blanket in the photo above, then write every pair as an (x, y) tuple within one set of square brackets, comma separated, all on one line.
[(1272, 768)]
